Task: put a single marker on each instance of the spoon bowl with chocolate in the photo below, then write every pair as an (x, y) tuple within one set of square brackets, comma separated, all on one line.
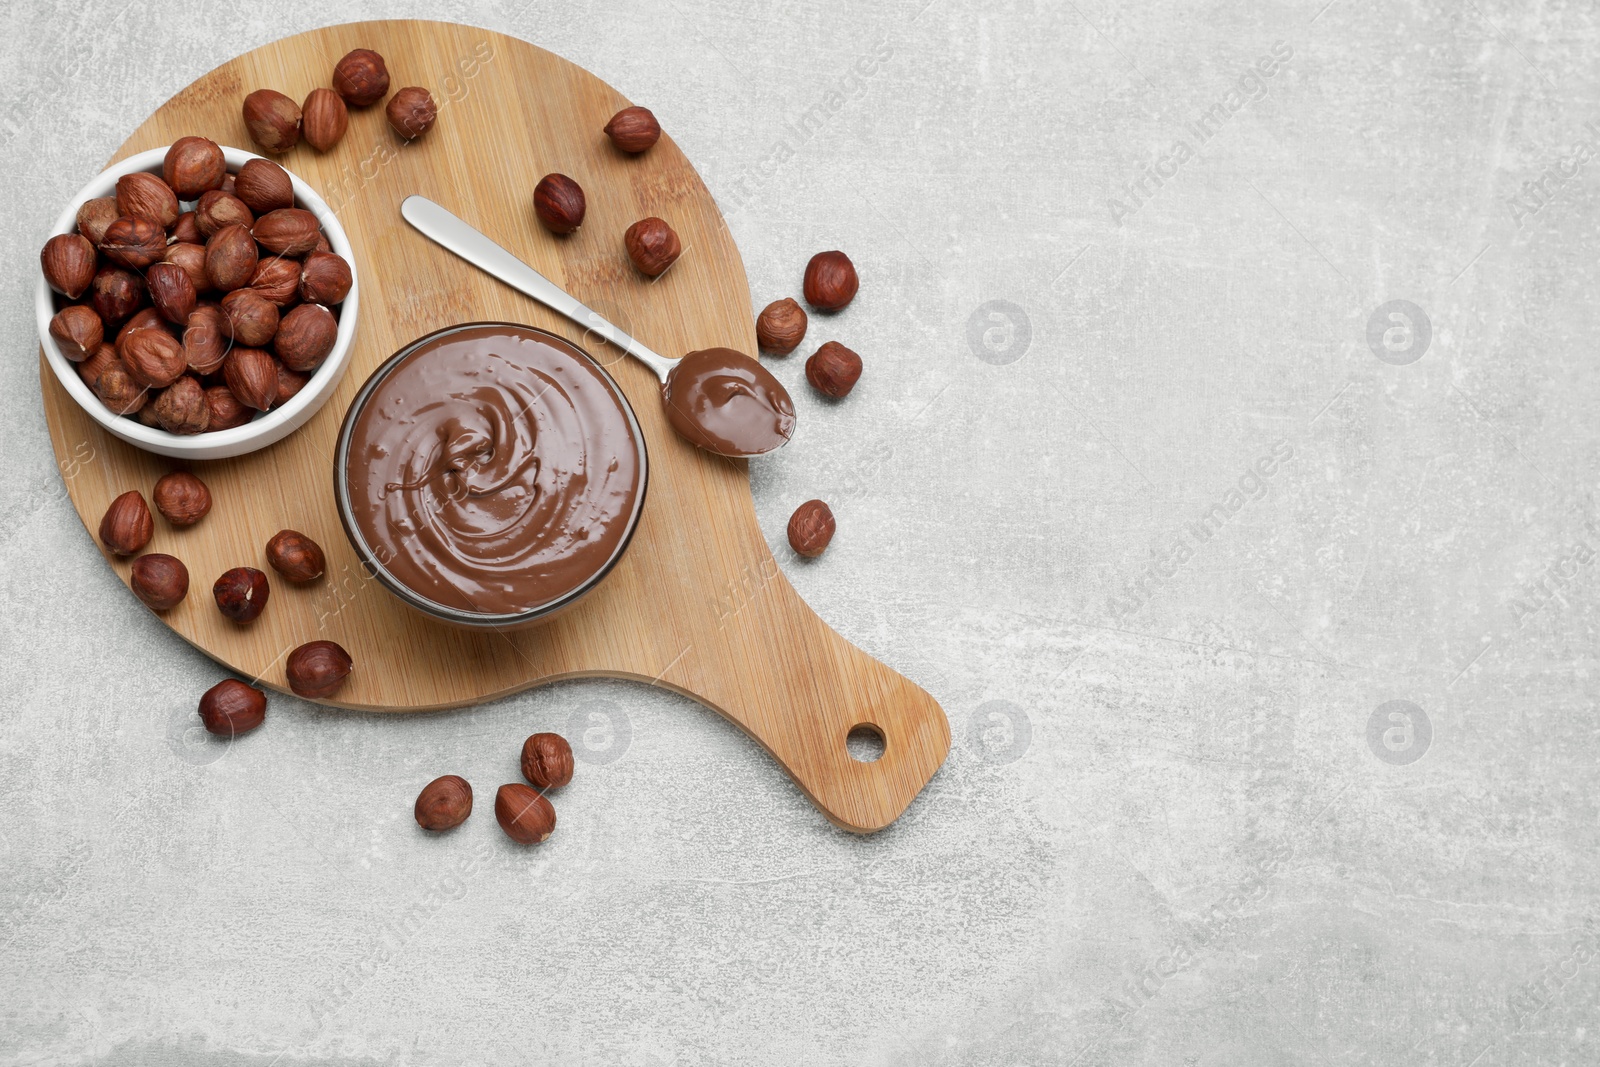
[(490, 474), (718, 399)]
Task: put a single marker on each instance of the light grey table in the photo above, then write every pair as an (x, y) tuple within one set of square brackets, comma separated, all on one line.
[(1263, 606)]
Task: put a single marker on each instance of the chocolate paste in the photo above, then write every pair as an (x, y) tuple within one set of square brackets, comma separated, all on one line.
[(494, 469), (726, 402)]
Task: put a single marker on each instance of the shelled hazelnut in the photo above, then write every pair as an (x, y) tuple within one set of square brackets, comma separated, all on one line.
[(633, 129), (547, 760), (68, 264), (781, 326), (295, 556), (318, 669), (263, 186), (77, 331), (182, 498), (830, 281), (833, 370), (559, 203), (272, 119), (444, 803), (127, 525), (241, 594), (230, 708), (361, 77), (160, 580), (193, 165), (411, 112), (323, 119), (525, 815), (811, 528), (652, 245)]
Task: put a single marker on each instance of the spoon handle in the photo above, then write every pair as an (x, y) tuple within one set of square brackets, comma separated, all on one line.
[(448, 231)]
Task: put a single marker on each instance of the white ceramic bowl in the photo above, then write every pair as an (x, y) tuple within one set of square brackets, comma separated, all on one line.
[(268, 426)]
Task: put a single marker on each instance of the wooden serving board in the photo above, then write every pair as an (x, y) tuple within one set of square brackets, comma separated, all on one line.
[(698, 605)]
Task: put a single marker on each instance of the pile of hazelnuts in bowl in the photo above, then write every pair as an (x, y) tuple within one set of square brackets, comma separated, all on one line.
[(197, 301)]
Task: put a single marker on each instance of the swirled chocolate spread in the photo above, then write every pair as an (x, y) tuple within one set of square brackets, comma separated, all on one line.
[(727, 403), (494, 469)]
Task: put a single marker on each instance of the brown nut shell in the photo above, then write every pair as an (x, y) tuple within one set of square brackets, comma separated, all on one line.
[(781, 326), (811, 528), (830, 281), (295, 556), (181, 497), (263, 186), (324, 279), (77, 331), (833, 370), (192, 165), (95, 215), (547, 760), (559, 202), (231, 258), (652, 245), (444, 803), (525, 815), (305, 337), (152, 355), (230, 708), (361, 77), (241, 594), (160, 580), (68, 262), (272, 119), (318, 669), (249, 318), (324, 119), (126, 526), (252, 376), (633, 129), (171, 291), (146, 196), (411, 112), (226, 411), (288, 231)]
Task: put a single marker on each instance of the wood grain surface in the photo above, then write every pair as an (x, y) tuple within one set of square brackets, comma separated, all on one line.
[(698, 605)]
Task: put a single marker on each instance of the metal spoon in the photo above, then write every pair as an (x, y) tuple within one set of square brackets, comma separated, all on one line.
[(719, 399)]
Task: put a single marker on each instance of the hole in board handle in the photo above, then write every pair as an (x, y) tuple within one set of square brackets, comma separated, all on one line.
[(865, 743)]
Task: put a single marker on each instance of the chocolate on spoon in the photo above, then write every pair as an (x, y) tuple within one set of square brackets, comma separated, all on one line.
[(718, 399)]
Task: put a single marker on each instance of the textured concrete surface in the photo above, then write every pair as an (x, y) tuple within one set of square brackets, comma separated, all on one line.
[(1264, 607)]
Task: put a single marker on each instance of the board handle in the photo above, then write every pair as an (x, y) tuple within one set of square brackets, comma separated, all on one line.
[(799, 689)]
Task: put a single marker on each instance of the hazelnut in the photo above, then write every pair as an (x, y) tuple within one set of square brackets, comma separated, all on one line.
[(295, 556), (525, 816), (361, 77), (142, 320), (324, 278), (831, 281), (115, 294), (160, 580), (324, 119), (204, 343), (191, 257), (153, 357), (226, 411), (833, 370), (559, 203), (103, 357), (322, 243), (252, 376), (227, 185), (273, 120), (263, 186), (317, 669), (95, 215), (231, 258), (171, 291), (77, 331), (127, 525), (146, 196), (811, 528), (290, 382), (288, 231), (444, 803), (547, 760), (67, 260), (411, 111), (241, 594), (230, 708), (181, 407), (306, 336), (182, 498), (278, 279), (249, 318), (781, 326), (134, 241), (187, 230), (217, 209), (633, 129), (652, 245), (193, 165), (118, 391)]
